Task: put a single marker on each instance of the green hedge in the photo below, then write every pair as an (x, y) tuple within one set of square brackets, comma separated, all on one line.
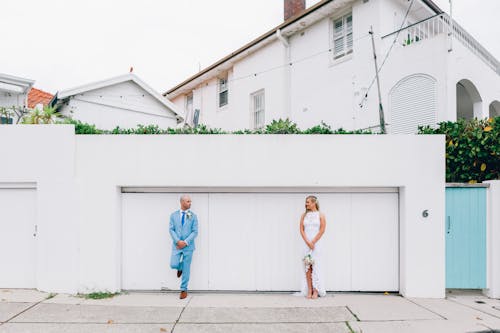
[(472, 149), (275, 127)]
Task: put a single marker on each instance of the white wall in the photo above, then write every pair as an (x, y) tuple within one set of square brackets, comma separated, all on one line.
[(493, 239), (44, 155), (78, 182), (343, 164), (125, 104), (464, 64)]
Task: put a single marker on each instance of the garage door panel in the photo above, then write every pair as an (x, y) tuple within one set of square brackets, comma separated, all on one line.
[(278, 250), (144, 252), (201, 256), (375, 242), (337, 255), (233, 226), (17, 243), (146, 242)]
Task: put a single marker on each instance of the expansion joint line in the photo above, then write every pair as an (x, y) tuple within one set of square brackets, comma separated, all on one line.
[(180, 314), (25, 310)]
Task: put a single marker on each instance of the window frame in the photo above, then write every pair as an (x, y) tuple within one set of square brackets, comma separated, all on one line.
[(258, 123), (222, 88), (343, 35), (189, 111)]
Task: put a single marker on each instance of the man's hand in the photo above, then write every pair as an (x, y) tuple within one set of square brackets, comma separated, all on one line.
[(181, 244)]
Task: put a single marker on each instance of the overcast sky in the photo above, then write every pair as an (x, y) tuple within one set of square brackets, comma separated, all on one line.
[(67, 43)]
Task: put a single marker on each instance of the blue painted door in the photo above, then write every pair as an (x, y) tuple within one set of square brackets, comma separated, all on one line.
[(465, 238)]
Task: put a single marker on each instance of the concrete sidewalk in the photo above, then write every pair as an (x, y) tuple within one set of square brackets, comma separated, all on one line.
[(33, 311)]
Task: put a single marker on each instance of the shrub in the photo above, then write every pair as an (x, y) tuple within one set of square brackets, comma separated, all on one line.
[(472, 149), (82, 128)]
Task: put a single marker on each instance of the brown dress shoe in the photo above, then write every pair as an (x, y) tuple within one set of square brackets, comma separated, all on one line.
[(183, 294), (179, 273)]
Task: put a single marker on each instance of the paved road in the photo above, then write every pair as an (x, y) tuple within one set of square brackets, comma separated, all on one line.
[(33, 311)]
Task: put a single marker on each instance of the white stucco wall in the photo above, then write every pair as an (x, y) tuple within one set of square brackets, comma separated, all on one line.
[(125, 105), (493, 239), (45, 155), (464, 64), (79, 199)]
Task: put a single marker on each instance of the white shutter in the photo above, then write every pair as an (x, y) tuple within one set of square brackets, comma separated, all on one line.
[(413, 103), (258, 109)]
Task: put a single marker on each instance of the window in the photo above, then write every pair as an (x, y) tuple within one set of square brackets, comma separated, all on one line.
[(223, 92), (342, 36), (257, 101), (5, 120), (189, 109)]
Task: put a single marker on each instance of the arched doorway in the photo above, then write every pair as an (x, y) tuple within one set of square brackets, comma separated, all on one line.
[(494, 109), (469, 102)]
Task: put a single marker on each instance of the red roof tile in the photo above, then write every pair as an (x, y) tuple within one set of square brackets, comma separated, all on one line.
[(37, 96)]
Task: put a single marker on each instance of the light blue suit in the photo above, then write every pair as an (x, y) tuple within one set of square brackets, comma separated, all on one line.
[(187, 233)]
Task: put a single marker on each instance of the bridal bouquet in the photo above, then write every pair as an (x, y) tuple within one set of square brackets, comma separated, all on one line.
[(308, 261)]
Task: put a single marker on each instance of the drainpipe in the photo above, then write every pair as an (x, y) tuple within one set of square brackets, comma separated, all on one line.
[(287, 75), (450, 34)]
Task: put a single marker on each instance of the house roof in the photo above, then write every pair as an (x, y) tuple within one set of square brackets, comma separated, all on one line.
[(64, 94), (37, 96), (15, 84), (272, 32)]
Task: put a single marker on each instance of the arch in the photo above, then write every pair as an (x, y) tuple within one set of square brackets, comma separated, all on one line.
[(412, 103), (494, 109), (469, 101)]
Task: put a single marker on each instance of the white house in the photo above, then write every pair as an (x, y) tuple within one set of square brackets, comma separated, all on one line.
[(124, 101), (13, 97), (319, 66)]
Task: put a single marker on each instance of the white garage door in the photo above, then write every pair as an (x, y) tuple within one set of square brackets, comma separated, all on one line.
[(17, 242), (251, 241)]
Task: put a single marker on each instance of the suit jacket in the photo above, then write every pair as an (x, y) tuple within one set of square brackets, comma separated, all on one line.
[(187, 233)]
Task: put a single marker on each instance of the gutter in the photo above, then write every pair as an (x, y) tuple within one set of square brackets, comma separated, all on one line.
[(433, 6), (281, 38)]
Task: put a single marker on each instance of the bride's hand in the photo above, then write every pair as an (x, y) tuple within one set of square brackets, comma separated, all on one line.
[(311, 245)]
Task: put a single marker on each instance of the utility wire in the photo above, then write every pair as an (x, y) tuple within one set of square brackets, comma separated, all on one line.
[(254, 74), (361, 104), (291, 63)]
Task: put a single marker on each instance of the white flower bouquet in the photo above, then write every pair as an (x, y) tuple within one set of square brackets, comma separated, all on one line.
[(308, 261)]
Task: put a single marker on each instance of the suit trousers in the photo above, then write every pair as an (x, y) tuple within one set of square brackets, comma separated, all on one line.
[(181, 261)]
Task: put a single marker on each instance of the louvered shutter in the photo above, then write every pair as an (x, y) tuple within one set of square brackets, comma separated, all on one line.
[(413, 103)]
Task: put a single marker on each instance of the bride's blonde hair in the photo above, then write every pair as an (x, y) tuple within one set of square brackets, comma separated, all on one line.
[(314, 200)]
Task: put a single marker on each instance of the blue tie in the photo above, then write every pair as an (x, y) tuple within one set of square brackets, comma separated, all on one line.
[(182, 220)]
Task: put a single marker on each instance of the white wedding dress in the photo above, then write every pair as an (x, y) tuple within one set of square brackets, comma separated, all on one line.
[(311, 228)]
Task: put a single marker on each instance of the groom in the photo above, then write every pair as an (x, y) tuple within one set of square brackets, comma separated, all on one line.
[(183, 230)]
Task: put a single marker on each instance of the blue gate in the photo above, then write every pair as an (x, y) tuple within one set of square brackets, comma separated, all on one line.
[(465, 237)]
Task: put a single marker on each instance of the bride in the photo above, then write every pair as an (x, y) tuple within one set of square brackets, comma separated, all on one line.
[(312, 227)]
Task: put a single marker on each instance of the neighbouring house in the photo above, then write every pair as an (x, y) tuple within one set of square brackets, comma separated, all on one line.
[(13, 97), (318, 65), (124, 101), (39, 99)]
